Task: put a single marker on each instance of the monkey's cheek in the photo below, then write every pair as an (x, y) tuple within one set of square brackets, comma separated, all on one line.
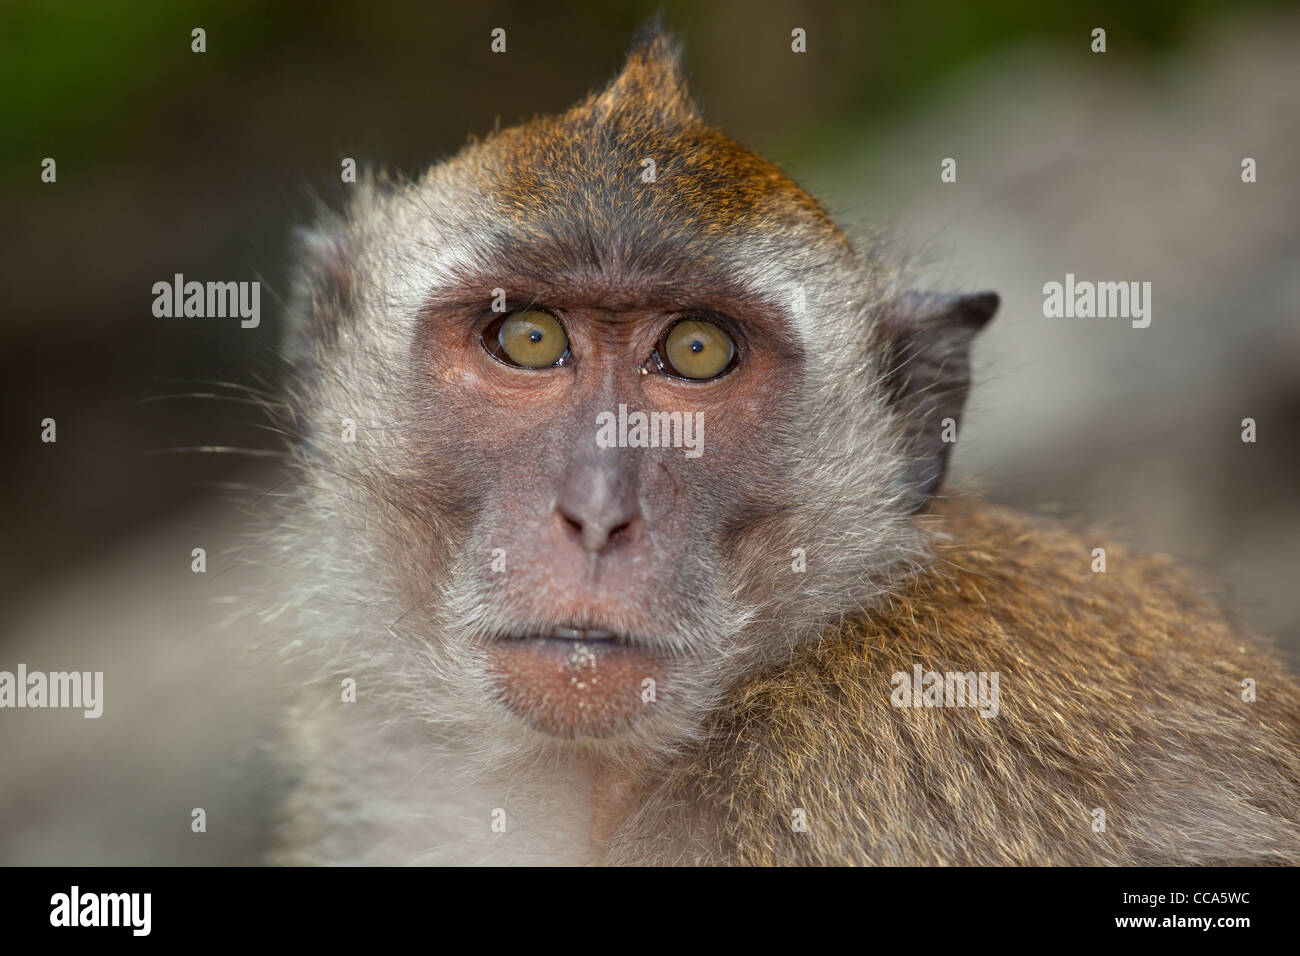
[(572, 689)]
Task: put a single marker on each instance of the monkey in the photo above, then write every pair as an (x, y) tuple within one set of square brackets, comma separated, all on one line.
[(525, 624)]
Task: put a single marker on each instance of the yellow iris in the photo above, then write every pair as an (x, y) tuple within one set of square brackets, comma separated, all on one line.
[(533, 339), (697, 350)]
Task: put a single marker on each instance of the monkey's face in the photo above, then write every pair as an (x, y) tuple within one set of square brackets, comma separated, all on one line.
[(595, 565), (629, 427)]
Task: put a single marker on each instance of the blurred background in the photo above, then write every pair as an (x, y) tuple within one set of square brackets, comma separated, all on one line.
[(1122, 166)]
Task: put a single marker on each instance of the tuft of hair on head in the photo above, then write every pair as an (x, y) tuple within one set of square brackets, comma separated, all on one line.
[(652, 81)]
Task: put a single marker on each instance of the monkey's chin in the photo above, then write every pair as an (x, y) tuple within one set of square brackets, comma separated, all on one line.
[(575, 688)]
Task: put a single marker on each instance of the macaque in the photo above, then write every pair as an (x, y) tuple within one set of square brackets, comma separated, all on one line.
[(619, 536)]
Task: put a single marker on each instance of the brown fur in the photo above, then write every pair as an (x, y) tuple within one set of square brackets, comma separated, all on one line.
[(1120, 690), (705, 181)]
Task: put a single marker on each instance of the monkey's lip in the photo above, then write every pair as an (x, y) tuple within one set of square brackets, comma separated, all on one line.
[(573, 681)]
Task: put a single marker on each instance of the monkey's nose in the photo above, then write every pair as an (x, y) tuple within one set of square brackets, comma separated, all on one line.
[(599, 508), (598, 529)]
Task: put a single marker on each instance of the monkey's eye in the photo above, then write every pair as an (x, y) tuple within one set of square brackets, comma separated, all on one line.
[(529, 339), (696, 349)]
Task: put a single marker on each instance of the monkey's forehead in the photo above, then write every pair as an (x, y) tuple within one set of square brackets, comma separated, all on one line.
[(588, 194)]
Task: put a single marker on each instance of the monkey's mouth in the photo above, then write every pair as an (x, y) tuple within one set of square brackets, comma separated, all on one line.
[(566, 633), (574, 681)]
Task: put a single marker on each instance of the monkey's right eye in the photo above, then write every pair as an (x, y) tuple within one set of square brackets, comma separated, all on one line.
[(528, 339)]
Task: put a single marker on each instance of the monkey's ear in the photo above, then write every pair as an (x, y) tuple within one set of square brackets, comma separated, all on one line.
[(652, 80), (322, 253), (927, 351), (322, 288)]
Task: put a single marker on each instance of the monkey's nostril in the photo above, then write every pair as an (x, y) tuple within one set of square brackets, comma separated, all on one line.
[(571, 524), (596, 534)]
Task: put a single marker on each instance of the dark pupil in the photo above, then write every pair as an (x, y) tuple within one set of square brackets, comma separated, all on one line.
[(697, 346), (535, 335)]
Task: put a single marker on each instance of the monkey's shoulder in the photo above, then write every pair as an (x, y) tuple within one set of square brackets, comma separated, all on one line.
[(987, 710), (1034, 596)]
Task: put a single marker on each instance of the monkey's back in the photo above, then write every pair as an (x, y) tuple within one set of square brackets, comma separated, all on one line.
[(1119, 691)]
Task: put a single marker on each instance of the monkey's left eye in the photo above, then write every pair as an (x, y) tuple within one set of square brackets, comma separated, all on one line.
[(696, 349), (529, 339)]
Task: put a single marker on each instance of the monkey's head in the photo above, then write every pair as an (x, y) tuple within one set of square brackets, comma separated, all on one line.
[(601, 412)]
